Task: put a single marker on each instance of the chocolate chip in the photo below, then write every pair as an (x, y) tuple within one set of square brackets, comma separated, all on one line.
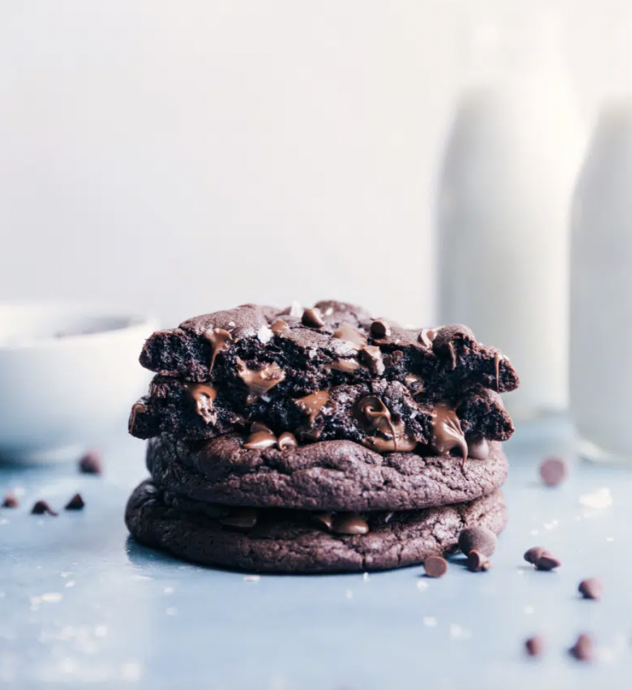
[(477, 562), (42, 507), (90, 463), (279, 326), (479, 539), (435, 566), (349, 523), (260, 440), (547, 561), (75, 503), (323, 519), (553, 471), (582, 650), (535, 645), (287, 441), (240, 518), (592, 588), (10, 501), (313, 318), (380, 329), (533, 554), (372, 357)]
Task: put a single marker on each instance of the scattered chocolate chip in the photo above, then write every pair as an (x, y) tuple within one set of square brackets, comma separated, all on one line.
[(547, 561), (592, 588), (553, 471), (287, 441), (478, 539), (42, 507), (75, 503), (582, 650), (435, 566), (313, 318), (372, 357), (535, 645), (90, 463), (349, 523), (260, 440), (10, 501), (477, 562), (380, 329), (240, 518), (533, 554)]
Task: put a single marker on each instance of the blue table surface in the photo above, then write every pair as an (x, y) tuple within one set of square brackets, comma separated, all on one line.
[(82, 604)]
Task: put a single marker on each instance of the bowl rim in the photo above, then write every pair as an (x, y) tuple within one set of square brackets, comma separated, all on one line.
[(134, 323)]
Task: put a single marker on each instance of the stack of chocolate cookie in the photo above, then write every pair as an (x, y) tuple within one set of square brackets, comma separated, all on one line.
[(318, 440)]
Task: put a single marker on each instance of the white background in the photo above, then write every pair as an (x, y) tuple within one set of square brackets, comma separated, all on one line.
[(175, 157)]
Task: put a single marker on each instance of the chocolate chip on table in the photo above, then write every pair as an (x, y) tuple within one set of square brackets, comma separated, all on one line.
[(380, 329), (435, 566), (75, 503), (313, 318), (535, 645), (478, 539), (592, 588), (90, 463), (582, 650), (533, 554), (41, 507), (547, 561), (477, 562), (553, 471), (10, 501)]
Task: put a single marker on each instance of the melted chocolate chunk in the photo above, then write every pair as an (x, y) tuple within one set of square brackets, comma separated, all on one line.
[(313, 404), (219, 340), (447, 432), (203, 396), (349, 523), (259, 382), (371, 355), (259, 440)]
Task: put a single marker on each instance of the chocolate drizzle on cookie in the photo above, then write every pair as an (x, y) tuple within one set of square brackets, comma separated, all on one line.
[(219, 340), (203, 395), (260, 381), (446, 431)]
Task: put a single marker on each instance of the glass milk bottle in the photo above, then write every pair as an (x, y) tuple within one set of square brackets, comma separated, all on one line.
[(504, 199), (601, 274)]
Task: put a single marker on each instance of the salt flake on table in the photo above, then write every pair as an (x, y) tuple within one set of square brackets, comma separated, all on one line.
[(601, 498)]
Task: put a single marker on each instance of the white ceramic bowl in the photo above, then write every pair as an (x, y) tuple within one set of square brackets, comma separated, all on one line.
[(68, 377)]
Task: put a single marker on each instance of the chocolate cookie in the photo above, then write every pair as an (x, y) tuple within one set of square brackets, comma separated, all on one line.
[(372, 413), (256, 352), (328, 475), (298, 542)]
